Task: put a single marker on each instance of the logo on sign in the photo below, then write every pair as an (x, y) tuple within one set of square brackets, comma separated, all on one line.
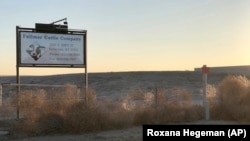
[(35, 50)]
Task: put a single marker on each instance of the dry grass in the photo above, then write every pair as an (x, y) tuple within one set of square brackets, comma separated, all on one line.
[(65, 111), (8, 108), (233, 94)]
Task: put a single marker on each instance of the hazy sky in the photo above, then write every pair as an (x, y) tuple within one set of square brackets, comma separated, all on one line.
[(137, 35)]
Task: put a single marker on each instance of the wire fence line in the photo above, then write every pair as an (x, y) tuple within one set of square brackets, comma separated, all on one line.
[(13, 103), (37, 94)]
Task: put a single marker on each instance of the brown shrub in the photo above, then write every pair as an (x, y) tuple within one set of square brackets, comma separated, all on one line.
[(233, 99), (59, 113)]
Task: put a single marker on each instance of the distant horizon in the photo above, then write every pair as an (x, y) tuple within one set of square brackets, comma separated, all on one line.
[(135, 71), (102, 72)]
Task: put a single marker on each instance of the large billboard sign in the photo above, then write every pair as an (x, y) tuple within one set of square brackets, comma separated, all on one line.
[(51, 49), (50, 45)]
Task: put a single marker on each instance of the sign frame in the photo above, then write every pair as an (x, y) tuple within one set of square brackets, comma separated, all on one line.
[(20, 30)]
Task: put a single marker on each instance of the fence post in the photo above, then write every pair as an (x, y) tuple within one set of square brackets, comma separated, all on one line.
[(156, 97), (1, 94)]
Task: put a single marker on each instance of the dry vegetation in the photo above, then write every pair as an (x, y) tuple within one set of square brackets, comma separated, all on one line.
[(66, 111), (233, 96)]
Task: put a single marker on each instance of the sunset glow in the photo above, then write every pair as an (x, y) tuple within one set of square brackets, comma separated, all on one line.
[(140, 35)]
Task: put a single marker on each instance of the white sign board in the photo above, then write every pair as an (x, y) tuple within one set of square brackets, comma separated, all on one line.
[(51, 49)]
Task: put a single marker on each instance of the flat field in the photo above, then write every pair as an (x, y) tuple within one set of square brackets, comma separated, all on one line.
[(115, 86)]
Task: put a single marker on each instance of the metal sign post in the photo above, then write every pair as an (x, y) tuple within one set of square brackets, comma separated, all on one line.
[(205, 71), (17, 72), (86, 71)]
